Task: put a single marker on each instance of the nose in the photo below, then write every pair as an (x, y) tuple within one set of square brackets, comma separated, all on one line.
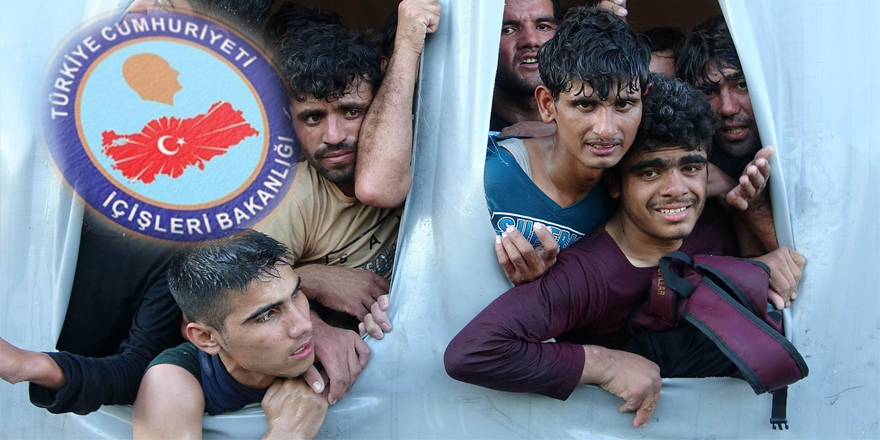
[(334, 131), (529, 37), (299, 324), (673, 185), (729, 104), (606, 125)]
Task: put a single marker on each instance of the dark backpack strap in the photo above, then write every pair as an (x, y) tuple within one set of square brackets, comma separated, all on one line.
[(736, 331), (671, 276), (778, 419)]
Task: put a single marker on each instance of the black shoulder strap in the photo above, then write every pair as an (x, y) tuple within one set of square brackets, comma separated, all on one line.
[(671, 276)]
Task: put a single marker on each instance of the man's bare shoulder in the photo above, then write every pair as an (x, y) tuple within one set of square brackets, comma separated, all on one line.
[(170, 404)]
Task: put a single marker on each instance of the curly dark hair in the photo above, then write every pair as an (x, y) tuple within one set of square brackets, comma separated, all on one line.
[(326, 60), (202, 277), (674, 114), (708, 42), (296, 17), (594, 46), (246, 15)]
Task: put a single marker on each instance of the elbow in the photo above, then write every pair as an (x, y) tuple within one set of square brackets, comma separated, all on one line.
[(454, 361), (465, 362), (382, 194)]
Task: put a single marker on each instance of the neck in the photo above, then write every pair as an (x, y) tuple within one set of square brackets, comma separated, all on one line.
[(347, 188), (515, 109), (244, 376), (641, 249), (571, 180)]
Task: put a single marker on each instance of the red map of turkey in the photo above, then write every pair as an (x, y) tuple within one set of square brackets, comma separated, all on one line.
[(170, 145)]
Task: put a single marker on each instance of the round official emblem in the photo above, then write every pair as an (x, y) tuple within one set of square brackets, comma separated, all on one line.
[(170, 125)]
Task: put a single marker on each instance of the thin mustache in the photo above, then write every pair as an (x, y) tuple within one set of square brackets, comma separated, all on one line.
[(687, 200)]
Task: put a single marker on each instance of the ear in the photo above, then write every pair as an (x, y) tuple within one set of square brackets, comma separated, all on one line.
[(204, 337), (648, 89), (383, 63), (546, 104), (612, 180)]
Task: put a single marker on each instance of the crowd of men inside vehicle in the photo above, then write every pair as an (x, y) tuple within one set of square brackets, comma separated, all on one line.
[(607, 150)]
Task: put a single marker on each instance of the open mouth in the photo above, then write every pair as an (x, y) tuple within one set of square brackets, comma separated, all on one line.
[(673, 213), (735, 132), (602, 148), (303, 351), (529, 59)]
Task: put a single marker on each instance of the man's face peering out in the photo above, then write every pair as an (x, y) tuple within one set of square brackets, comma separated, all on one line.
[(728, 94), (328, 130), (662, 192), (596, 132), (269, 330), (527, 25)]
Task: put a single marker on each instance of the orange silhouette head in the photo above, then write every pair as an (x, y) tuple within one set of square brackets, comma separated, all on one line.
[(151, 77)]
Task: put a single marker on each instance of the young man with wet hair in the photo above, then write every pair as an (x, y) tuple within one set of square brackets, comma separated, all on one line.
[(250, 340), (343, 244), (585, 300), (549, 189)]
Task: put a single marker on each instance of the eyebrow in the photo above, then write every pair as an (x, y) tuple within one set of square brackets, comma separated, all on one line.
[(667, 163), (593, 100), (545, 19), (650, 163), (267, 307), (693, 158), (353, 106), (584, 100)]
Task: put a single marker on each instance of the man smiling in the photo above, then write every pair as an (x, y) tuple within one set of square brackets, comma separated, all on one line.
[(585, 300), (707, 59), (250, 340)]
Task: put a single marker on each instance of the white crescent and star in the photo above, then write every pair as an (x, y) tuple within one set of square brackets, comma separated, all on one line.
[(161, 145)]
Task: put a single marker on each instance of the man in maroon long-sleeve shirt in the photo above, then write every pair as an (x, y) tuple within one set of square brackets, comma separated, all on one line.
[(585, 299)]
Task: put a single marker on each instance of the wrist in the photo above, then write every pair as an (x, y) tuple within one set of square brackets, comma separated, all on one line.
[(45, 372), (597, 362), (408, 47), (282, 432)]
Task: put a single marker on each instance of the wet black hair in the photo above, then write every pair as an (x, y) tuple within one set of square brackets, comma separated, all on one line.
[(296, 17), (202, 277), (598, 48), (709, 42), (661, 39), (326, 60), (674, 113), (247, 15)]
